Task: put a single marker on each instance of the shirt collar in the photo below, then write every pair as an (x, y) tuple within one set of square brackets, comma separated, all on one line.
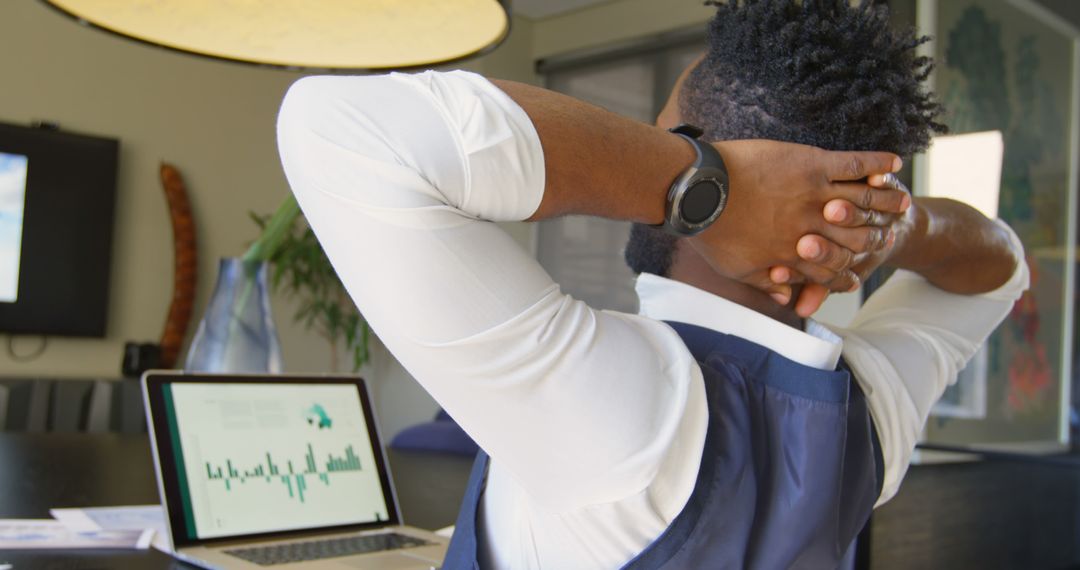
[(668, 300)]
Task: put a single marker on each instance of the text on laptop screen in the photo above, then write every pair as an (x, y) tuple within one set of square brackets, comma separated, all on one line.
[(13, 170), (256, 458)]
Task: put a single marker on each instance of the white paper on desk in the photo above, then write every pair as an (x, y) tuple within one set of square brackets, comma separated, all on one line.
[(139, 517), (48, 534)]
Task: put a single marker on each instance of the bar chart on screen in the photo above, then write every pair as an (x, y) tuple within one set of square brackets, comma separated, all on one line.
[(290, 476), (259, 458)]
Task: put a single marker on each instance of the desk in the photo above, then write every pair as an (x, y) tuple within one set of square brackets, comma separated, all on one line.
[(42, 471)]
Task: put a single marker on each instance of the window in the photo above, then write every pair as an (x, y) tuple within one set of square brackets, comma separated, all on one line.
[(585, 254)]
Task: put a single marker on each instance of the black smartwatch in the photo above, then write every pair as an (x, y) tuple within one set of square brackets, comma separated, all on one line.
[(699, 194)]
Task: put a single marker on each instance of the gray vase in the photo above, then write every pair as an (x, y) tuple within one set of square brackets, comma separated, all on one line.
[(237, 333)]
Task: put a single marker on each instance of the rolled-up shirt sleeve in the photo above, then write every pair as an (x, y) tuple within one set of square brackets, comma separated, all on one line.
[(909, 342), (400, 177)]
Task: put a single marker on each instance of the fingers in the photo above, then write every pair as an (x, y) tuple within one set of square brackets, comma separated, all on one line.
[(847, 215), (810, 299), (827, 263), (869, 206), (781, 294), (778, 289), (780, 274), (888, 200), (820, 251), (831, 264), (862, 239), (842, 281), (887, 181), (850, 165)]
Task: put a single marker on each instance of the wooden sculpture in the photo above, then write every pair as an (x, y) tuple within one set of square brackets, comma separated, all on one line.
[(185, 265)]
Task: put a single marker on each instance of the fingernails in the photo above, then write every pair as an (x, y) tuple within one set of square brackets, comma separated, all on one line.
[(897, 164), (890, 238), (834, 212), (811, 249), (854, 287), (905, 203), (780, 298)]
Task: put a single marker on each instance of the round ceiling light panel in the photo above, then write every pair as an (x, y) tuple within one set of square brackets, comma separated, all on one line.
[(321, 34)]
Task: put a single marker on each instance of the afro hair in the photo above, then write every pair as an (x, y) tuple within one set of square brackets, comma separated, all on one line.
[(818, 72)]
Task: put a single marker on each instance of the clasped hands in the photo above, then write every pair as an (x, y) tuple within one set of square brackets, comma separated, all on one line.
[(798, 214)]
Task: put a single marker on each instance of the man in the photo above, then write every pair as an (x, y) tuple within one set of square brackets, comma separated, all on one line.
[(617, 439), (959, 272)]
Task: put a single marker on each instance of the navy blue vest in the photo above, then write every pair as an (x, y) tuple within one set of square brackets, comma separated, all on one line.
[(789, 474)]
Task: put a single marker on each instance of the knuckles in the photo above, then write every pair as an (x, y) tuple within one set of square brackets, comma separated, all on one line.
[(866, 199), (854, 167), (843, 282), (871, 241), (838, 258)]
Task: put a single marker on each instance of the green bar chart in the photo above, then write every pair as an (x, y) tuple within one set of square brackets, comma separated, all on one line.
[(293, 481)]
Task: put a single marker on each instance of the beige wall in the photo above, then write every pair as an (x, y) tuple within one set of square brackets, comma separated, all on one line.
[(215, 121)]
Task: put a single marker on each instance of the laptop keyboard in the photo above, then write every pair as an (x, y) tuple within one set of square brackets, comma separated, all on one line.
[(330, 548)]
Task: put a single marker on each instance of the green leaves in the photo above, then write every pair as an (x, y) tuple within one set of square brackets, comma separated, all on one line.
[(302, 271), (275, 230)]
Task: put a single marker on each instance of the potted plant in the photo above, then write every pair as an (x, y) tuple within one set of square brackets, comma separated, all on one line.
[(300, 269)]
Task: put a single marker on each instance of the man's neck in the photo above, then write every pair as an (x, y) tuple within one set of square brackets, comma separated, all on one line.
[(690, 268)]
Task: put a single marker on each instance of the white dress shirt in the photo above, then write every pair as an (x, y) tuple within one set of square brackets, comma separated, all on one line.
[(594, 420)]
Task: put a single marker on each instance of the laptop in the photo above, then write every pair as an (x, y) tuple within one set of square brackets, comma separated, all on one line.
[(276, 473)]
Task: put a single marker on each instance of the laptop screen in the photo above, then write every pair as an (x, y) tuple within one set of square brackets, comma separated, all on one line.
[(256, 457)]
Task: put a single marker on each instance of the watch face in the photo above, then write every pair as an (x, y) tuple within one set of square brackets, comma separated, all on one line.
[(700, 201)]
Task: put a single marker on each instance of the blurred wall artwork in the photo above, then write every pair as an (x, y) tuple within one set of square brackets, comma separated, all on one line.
[(1006, 73)]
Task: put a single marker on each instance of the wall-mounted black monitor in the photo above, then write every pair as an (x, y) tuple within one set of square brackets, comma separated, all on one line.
[(57, 192)]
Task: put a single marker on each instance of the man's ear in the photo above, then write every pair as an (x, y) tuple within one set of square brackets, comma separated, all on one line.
[(669, 116)]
